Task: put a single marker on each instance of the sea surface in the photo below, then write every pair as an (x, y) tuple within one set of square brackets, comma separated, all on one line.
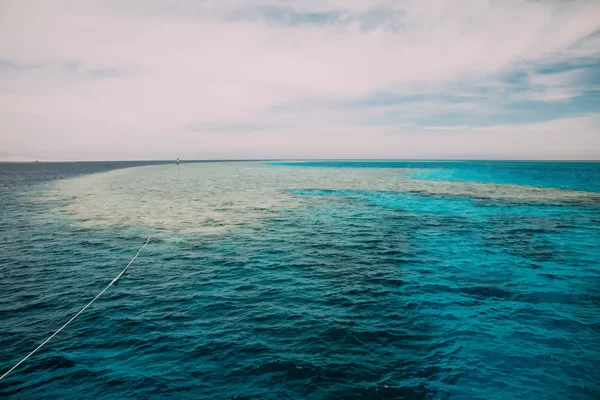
[(292, 280)]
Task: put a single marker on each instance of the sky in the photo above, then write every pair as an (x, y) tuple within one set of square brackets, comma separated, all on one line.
[(255, 79)]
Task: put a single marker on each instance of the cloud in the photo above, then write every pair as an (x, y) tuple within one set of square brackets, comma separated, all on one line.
[(67, 69), (224, 127), (300, 75)]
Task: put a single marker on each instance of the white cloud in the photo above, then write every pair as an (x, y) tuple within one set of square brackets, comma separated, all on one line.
[(560, 85), (183, 63)]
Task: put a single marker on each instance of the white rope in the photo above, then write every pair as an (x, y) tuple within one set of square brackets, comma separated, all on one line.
[(76, 315)]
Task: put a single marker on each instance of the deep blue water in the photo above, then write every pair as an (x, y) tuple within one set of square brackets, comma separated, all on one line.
[(372, 294)]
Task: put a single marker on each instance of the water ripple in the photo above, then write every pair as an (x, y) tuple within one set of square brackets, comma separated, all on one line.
[(304, 283)]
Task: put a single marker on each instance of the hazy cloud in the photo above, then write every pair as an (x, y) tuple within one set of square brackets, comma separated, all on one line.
[(299, 79)]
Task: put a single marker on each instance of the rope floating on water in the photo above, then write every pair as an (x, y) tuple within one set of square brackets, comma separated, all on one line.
[(76, 315)]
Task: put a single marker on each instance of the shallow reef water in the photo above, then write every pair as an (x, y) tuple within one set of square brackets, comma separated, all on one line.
[(321, 279)]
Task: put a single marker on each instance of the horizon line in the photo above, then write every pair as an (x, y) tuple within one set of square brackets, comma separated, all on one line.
[(582, 160)]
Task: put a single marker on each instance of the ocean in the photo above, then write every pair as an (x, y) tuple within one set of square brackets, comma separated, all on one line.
[(293, 280)]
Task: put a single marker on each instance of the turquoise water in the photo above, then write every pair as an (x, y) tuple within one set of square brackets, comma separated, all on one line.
[(354, 279), (564, 175)]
